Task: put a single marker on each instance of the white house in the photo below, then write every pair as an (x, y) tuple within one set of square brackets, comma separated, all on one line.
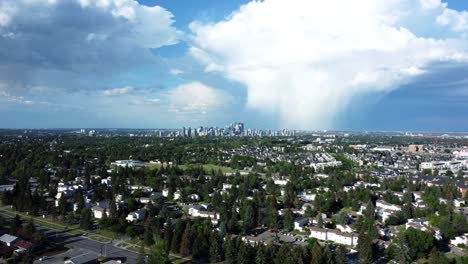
[(99, 212), (344, 228), (143, 200), (384, 149), (200, 211), (460, 240), (138, 215), (385, 210), (194, 197), (107, 181), (321, 175), (281, 182), (421, 224), (8, 240), (318, 233), (342, 238), (300, 223), (458, 202), (227, 186), (165, 193), (127, 163), (349, 239)]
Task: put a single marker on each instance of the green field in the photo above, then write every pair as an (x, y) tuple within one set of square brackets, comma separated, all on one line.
[(207, 167)]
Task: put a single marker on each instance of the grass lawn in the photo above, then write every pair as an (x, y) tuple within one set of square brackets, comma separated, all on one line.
[(297, 232), (100, 238), (107, 233), (401, 228), (100, 235), (207, 167), (177, 260)]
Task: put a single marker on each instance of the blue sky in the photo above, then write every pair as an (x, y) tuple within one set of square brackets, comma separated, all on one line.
[(370, 65)]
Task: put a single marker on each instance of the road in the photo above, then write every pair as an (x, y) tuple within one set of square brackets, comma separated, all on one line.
[(81, 242)]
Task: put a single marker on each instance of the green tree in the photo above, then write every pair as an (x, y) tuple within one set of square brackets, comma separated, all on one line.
[(16, 225), (177, 237), (364, 248), (63, 205), (320, 220), (230, 251), (316, 254), (327, 255), (148, 236), (436, 257), (242, 252), (248, 218), (417, 243), (216, 250), (260, 257), (340, 255), (288, 220), (186, 243), (29, 229), (86, 220), (272, 213), (159, 254)]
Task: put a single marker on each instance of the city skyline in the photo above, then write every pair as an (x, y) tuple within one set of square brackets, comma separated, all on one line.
[(366, 65)]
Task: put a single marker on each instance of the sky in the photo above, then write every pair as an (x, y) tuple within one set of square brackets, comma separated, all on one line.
[(374, 65)]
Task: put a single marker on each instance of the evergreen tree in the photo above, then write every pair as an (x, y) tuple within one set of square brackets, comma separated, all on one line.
[(438, 258), (186, 243), (29, 229), (200, 246), (63, 205), (242, 252), (260, 257), (230, 251), (216, 254), (158, 254), (284, 254), (272, 213), (78, 198), (364, 248), (168, 235), (327, 255), (340, 255), (86, 221), (288, 220), (320, 220), (177, 238), (248, 218), (16, 225), (316, 254), (148, 236)]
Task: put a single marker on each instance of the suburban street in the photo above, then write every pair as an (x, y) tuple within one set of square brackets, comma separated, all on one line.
[(83, 243)]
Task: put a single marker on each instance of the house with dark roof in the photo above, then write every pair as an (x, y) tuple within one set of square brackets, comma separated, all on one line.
[(87, 258)]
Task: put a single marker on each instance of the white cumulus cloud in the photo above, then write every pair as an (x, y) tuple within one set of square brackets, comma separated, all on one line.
[(306, 59), (79, 44), (118, 91), (196, 98)]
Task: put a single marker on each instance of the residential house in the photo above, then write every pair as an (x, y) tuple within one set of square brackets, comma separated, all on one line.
[(460, 240), (459, 202), (332, 235), (300, 223), (138, 215), (8, 240)]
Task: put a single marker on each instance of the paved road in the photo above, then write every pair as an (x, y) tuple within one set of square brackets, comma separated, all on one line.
[(80, 242)]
